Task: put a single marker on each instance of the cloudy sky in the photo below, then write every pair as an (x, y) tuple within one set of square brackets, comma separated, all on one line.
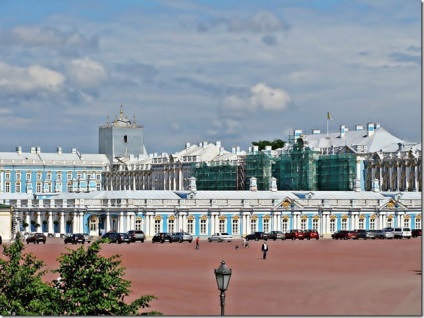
[(236, 71)]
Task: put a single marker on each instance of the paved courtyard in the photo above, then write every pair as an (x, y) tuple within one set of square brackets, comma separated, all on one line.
[(325, 277)]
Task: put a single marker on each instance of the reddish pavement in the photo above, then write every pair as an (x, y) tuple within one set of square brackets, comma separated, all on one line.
[(325, 277)]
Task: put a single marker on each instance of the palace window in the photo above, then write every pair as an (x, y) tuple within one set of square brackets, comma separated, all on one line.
[(303, 224), (332, 225), (38, 175), (253, 224), (28, 176), (190, 226), (171, 226), (98, 187), (138, 225), (372, 224), (157, 226), (18, 187), (18, 176), (389, 223), (361, 224), (203, 227), (69, 176), (38, 187), (7, 187), (222, 226), (59, 176), (284, 225), (315, 224), (235, 226), (418, 223), (344, 224), (7, 175), (266, 225), (49, 176), (406, 223)]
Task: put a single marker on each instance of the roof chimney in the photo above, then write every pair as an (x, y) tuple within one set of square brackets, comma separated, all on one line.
[(273, 185), (370, 129), (253, 186), (342, 130)]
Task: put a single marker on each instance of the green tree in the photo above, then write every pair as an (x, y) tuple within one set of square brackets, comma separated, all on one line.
[(22, 291), (275, 144), (91, 284)]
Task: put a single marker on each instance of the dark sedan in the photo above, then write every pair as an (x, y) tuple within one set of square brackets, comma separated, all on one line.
[(36, 238), (125, 238), (295, 234), (113, 237), (162, 237), (311, 234), (74, 239), (416, 232), (345, 235)]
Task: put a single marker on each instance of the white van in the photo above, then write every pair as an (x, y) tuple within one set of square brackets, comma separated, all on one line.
[(402, 232)]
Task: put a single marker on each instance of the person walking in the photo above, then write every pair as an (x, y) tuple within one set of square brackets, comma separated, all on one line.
[(197, 243), (264, 249)]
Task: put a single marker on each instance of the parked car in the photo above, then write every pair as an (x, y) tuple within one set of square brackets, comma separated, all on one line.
[(362, 234), (36, 238), (311, 234), (113, 237), (259, 236), (74, 239), (384, 234), (295, 234), (345, 235), (87, 237), (136, 235), (183, 237), (125, 238), (278, 235), (1, 240), (220, 237), (162, 237), (371, 234), (402, 232), (414, 233)]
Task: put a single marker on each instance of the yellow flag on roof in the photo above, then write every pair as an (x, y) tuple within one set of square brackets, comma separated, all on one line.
[(329, 116)]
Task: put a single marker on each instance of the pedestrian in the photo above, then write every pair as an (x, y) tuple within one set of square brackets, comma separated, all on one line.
[(197, 243), (264, 249), (245, 244)]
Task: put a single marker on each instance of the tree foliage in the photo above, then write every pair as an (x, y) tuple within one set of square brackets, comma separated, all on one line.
[(22, 291), (93, 285), (275, 144), (89, 285)]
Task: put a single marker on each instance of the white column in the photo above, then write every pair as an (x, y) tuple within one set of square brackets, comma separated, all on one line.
[(62, 223), (28, 220), (107, 229), (39, 221), (51, 230), (121, 222), (82, 229)]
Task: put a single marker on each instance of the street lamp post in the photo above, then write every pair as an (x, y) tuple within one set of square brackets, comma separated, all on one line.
[(223, 275)]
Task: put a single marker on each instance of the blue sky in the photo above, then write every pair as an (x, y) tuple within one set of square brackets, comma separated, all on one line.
[(236, 71)]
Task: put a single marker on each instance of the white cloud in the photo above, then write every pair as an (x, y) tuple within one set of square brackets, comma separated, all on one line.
[(271, 99), (262, 97), (86, 73), (31, 79)]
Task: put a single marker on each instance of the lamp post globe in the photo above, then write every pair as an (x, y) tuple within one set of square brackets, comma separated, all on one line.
[(223, 275)]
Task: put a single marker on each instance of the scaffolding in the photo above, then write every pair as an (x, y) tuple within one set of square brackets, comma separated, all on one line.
[(297, 169), (216, 175), (336, 172), (259, 165)]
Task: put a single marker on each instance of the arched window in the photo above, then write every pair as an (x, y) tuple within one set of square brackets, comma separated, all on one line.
[(253, 224), (138, 224), (203, 226), (235, 226), (190, 226), (266, 225), (344, 224), (284, 225), (333, 225), (158, 225), (303, 224), (315, 224)]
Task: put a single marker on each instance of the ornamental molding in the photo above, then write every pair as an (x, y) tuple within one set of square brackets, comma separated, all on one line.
[(333, 217), (267, 217), (190, 218), (235, 217), (222, 217), (361, 217), (158, 218), (304, 217), (172, 217), (254, 218), (204, 217)]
